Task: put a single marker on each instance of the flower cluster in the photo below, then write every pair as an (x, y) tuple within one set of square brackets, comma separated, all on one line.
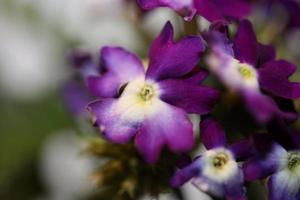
[(148, 101)]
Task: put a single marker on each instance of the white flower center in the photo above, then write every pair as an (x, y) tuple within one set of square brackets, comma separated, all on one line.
[(219, 165)]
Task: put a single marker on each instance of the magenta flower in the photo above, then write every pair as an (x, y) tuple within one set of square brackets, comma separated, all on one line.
[(250, 69), (280, 166), (151, 105), (212, 10), (216, 171)]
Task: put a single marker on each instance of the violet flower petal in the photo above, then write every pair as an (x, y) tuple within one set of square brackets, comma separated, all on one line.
[(245, 44), (242, 149), (283, 186), (192, 98), (121, 67), (170, 126), (110, 121), (212, 135), (169, 59), (273, 77), (234, 188)]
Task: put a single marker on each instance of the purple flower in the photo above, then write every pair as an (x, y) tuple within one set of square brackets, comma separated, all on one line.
[(250, 69), (216, 171), (280, 165), (212, 10), (183, 7), (151, 105)]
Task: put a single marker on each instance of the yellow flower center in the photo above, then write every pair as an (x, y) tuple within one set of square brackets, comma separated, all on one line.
[(246, 72), (220, 160), (293, 160), (147, 92)]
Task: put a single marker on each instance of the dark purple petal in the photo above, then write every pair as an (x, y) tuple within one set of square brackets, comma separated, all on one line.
[(264, 108), (266, 53), (170, 126), (245, 44), (196, 76), (273, 77), (173, 60), (242, 149), (120, 67), (214, 10), (188, 172), (211, 133), (110, 121), (191, 97), (281, 186), (184, 8), (234, 188), (264, 165)]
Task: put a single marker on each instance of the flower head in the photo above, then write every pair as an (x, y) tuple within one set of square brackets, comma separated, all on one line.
[(250, 69), (151, 105), (217, 170), (281, 166)]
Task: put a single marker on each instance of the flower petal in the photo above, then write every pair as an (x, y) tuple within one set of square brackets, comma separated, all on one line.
[(209, 186), (245, 44), (110, 121), (211, 133), (234, 188), (273, 77), (170, 126), (172, 60), (183, 7), (191, 97), (242, 149), (222, 9), (266, 53), (188, 172), (264, 165), (284, 186), (120, 66)]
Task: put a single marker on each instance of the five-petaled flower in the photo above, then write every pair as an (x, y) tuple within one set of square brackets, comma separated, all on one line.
[(212, 10), (151, 106), (250, 69), (281, 166), (217, 171)]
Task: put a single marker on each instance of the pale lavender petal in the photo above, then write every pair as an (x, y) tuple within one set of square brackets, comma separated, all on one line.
[(211, 133), (245, 44), (170, 126), (120, 67), (273, 77), (169, 59), (283, 186), (234, 187), (110, 121), (209, 186), (191, 97)]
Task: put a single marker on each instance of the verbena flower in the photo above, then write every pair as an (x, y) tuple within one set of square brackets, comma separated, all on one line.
[(250, 69), (151, 105), (280, 165), (216, 171), (212, 10)]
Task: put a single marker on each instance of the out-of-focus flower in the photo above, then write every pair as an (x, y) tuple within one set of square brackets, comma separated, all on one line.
[(65, 173), (29, 67), (216, 171), (250, 69), (280, 165), (151, 105), (212, 10)]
